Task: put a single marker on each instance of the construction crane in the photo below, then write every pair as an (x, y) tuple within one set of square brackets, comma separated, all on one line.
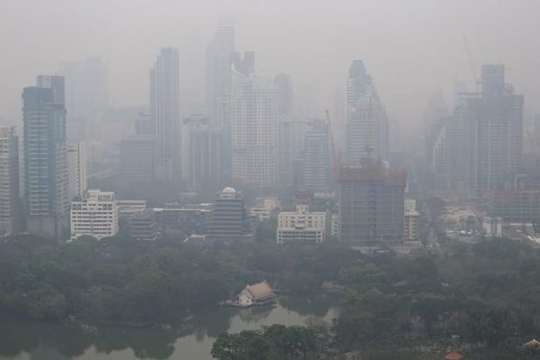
[(477, 80)]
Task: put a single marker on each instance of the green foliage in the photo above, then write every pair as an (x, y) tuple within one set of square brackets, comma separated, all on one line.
[(272, 343)]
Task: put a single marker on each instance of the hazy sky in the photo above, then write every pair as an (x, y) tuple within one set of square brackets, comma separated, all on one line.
[(410, 47)]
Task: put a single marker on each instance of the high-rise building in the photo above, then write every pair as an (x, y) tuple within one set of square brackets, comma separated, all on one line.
[(77, 168), (137, 159), (411, 220), (87, 96), (316, 158), (46, 180), (484, 137), (301, 226), (253, 129), (283, 84), (371, 204), (292, 132), (165, 112), (94, 214), (205, 152), (367, 123), (230, 220), (218, 60), (10, 210)]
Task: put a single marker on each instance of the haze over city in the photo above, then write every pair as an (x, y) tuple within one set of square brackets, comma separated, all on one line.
[(270, 180), (410, 48)]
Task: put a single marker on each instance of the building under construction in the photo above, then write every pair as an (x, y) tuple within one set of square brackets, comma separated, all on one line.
[(371, 203)]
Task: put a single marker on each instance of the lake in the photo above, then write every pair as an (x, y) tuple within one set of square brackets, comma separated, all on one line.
[(192, 341)]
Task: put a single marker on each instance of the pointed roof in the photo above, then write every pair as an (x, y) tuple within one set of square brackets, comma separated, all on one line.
[(532, 344), (454, 355), (260, 290)]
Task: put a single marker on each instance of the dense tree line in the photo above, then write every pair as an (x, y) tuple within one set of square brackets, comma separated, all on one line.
[(484, 296)]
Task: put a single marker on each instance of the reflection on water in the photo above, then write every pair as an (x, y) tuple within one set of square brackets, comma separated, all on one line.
[(189, 341)]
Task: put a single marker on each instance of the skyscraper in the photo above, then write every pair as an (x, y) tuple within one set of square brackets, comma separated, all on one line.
[(218, 60), (10, 211), (371, 203), (87, 96), (46, 180), (316, 159), (77, 168), (283, 84), (137, 159), (253, 129), (484, 136), (165, 112), (367, 124)]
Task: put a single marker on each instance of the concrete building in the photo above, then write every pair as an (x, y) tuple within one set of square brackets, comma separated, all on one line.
[(301, 226), (253, 130), (484, 137), (230, 220), (411, 220), (367, 124), (128, 208), (184, 219), (292, 131), (77, 168), (10, 209), (371, 204), (205, 148), (143, 226), (165, 112), (316, 167), (94, 214), (137, 159), (46, 179), (284, 88), (219, 57), (87, 96)]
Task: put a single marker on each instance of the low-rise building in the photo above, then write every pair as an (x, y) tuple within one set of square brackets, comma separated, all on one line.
[(258, 294), (94, 214), (128, 208), (142, 226), (301, 226)]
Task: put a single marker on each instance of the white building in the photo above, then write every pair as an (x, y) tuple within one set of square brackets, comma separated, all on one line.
[(9, 181), (411, 220), (301, 226), (95, 214), (254, 124), (258, 294), (77, 168)]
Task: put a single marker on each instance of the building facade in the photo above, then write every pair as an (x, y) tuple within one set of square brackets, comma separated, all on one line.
[(46, 179), (230, 220), (284, 88), (316, 165), (165, 112), (95, 214), (10, 209), (137, 159), (301, 226), (371, 204), (367, 124), (77, 168), (254, 131), (411, 220)]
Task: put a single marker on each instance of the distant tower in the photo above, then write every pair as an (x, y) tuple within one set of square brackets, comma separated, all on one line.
[(46, 181), (78, 168), (371, 200), (367, 124), (253, 128), (316, 160), (218, 60), (87, 96), (165, 111), (10, 212), (283, 84)]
